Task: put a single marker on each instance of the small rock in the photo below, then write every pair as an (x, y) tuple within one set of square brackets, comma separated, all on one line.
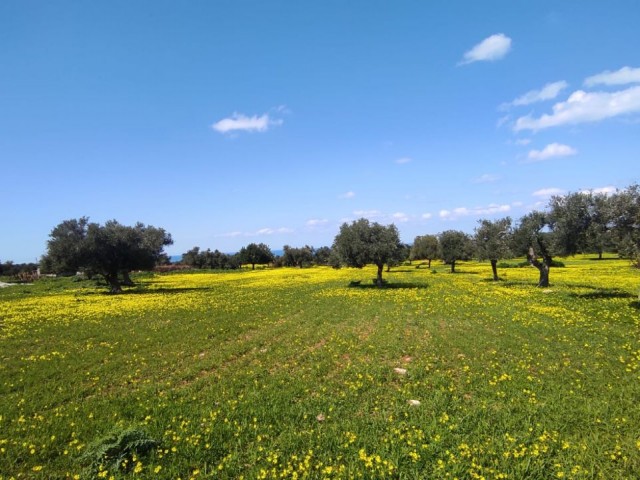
[(400, 371), (414, 403), (320, 417)]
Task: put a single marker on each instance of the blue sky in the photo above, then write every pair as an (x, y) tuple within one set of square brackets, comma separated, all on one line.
[(230, 122)]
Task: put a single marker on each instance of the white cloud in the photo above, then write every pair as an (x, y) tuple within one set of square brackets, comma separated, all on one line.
[(523, 141), (620, 77), (492, 48), (400, 217), (583, 107), (465, 212), (368, 213), (229, 234), (347, 195), (486, 178), (403, 160), (550, 151), (608, 190), (271, 231), (315, 222), (241, 122), (547, 192), (426, 216), (548, 92)]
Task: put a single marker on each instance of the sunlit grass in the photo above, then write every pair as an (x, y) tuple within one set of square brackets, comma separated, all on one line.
[(290, 373)]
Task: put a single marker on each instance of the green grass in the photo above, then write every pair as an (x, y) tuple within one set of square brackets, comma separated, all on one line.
[(289, 373)]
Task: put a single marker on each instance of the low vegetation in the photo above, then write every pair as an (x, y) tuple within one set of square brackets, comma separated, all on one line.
[(318, 373)]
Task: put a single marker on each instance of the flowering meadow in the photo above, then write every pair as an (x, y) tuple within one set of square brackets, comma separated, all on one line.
[(315, 373)]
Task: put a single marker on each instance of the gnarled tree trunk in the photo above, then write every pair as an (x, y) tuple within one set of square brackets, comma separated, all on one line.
[(543, 267), (453, 266)]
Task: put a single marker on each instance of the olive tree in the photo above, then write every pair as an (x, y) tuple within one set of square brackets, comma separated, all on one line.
[(455, 245), (361, 243), (110, 250), (256, 253), (425, 247), (492, 240)]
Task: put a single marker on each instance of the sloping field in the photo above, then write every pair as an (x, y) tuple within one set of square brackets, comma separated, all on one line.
[(293, 373)]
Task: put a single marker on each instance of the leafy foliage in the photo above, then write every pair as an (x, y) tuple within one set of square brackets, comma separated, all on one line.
[(492, 241), (425, 247), (109, 250), (363, 242), (297, 257), (256, 253), (455, 245), (215, 260)]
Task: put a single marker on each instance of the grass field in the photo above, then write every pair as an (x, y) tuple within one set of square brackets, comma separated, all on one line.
[(293, 373)]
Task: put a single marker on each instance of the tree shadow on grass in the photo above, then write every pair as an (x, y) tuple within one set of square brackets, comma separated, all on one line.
[(388, 286), (604, 293), (635, 304), (499, 281), (137, 290)]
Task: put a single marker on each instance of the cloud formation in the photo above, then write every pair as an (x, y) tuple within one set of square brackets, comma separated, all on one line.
[(550, 151), (608, 190), (548, 92), (491, 48), (582, 107), (262, 231), (548, 192), (347, 195), (465, 212), (316, 222), (400, 217), (403, 160), (620, 77), (271, 231), (240, 122), (486, 178)]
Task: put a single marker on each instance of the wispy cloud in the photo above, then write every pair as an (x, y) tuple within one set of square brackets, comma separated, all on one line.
[(475, 211), (620, 77), (491, 48), (368, 213), (400, 217), (316, 222), (582, 107), (427, 216), (229, 234), (403, 160), (271, 231), (260, 232), (548, 192), (486, 178), (347, 195), (550, 151), (523, 141), (608, 190), (548, 92), (238, 122)]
